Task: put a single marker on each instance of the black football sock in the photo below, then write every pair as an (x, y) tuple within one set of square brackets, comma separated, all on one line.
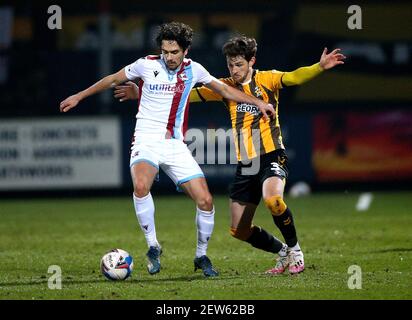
[(287, 227), (263, 240)]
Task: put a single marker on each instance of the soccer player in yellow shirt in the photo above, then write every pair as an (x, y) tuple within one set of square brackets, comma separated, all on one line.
[(260, 140)]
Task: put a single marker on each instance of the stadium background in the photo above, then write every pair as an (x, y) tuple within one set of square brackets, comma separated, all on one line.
[(349, 128), (349, 132)]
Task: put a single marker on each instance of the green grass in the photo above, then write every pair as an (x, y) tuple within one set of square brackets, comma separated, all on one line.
[(74, 234)]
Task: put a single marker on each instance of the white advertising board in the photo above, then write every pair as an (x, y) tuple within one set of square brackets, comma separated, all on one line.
[(53, 153)]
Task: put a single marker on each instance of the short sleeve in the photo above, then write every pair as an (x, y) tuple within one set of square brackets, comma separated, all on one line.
[(202, 75), (276, 79), (205, 94), (135, 70)]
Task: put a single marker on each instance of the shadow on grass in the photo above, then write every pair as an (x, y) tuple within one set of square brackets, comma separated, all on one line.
[(132, 281), (392, 250)]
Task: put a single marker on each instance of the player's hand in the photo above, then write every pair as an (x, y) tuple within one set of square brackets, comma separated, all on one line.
[(266, 108), (329, 60), (69, 103), (127, 91)]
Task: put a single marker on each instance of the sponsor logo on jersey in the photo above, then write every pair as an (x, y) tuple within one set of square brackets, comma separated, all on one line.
[(166, 88), (250, 108), (155, 72)]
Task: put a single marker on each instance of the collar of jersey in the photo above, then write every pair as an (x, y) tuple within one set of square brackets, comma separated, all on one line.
[(170, 72), (253, 74)]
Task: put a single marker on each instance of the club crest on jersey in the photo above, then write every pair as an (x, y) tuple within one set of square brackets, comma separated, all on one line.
[(250, 108), (183, 76), (258, 93)]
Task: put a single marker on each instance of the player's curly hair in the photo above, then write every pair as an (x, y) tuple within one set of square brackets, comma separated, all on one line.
[(177, 31), (240, 46)]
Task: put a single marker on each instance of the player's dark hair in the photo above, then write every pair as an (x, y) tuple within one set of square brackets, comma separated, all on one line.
[(175, 31), (240, 46)]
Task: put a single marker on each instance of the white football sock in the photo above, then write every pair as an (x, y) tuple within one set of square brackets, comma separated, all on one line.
[(144, 208), (205, 220), (284, 251), (296, 247)]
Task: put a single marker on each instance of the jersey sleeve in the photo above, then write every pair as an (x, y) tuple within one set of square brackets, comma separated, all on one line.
[(276, 79), (135, 70), (203, 94), (301, 75), (202, 75)]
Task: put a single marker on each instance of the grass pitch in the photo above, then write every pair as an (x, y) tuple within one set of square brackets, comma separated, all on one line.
[(74, 234)]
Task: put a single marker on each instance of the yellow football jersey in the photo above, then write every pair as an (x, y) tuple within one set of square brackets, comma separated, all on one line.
[(253, 136)]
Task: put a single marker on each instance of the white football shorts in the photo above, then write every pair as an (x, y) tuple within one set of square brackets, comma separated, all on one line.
[(171, 155)]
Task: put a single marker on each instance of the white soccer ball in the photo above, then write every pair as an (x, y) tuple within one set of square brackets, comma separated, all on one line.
[(117, 264)]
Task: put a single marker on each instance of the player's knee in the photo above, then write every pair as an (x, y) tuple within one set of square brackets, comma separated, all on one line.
[(205, 202), (241, 233), (141, 189), (276, 205)]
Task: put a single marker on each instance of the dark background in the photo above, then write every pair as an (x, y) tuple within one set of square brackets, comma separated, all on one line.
[(40, 67)]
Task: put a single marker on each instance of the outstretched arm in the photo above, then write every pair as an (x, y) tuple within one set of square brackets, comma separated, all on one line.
[(231, 93), (103, 84), (303, 74)]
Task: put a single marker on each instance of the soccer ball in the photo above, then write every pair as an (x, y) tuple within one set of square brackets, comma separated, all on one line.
[(116, 264)]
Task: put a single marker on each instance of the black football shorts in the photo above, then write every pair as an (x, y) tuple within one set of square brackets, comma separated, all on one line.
[(249, 178)]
